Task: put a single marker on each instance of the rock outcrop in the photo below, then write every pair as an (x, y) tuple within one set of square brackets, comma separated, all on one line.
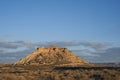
[(51, 55)]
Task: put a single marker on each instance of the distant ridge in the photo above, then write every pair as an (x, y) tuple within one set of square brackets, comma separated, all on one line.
[(51, 55)]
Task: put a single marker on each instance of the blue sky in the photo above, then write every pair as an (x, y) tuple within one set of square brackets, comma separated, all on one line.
[(90, 28)]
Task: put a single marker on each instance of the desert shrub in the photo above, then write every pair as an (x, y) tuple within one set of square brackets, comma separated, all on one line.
[(46, 72), (11, 77)]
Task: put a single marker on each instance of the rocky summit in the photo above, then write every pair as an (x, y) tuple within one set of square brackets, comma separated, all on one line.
[(51, 55)]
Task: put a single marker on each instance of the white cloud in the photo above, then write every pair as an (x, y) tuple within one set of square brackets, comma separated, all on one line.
[(92, 51), (98, 46)]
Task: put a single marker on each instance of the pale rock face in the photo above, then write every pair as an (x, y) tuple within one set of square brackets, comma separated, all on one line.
[(51, 55)]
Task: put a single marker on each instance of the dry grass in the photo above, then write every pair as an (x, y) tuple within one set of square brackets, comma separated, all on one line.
[(47, 72)]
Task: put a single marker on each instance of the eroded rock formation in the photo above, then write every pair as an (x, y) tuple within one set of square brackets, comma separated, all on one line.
[(51, 55)]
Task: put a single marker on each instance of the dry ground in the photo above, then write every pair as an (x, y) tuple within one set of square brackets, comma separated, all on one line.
[(51, 72)]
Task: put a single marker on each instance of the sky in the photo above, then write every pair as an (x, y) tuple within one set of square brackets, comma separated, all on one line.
[(89, 28)]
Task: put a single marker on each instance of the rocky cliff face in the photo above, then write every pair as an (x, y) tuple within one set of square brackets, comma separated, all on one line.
[(51, 55)]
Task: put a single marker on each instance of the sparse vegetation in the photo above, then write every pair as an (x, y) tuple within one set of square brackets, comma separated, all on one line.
[(38, 66), (50, 72)]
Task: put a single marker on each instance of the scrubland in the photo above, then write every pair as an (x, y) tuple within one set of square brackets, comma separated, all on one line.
[(51, 72)]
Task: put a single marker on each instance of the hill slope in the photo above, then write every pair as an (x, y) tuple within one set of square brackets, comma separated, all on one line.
[(51, 55)]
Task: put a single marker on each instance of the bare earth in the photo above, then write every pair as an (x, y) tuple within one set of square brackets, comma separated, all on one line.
[(54, 63), (56, 72)]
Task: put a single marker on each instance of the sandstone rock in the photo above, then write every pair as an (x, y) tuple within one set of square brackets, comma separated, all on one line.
[(51, 55)]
